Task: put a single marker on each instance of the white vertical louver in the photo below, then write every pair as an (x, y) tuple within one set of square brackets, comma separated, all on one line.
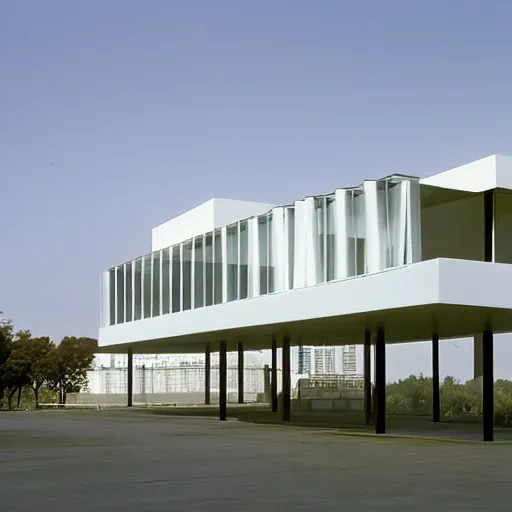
[(375, 227), (342, 216), (312, 241), (279, 255), (254, 258), (299, 264), (413, 229)]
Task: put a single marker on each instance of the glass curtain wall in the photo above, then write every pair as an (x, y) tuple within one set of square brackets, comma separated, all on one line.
[(316, 240)]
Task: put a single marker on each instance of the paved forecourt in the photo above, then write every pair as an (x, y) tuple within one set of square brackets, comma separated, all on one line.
[(130, 461)]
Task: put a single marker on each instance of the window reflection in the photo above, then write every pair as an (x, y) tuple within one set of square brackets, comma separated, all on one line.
[(112, 295), (176, 279), (232, 262), (208, 255), (129, 291), (198, 272), (146, 283), (244, 260), (138, 289), (120, 294), (156, 284), (187, 275), (166, 285), (263, 250), (217, 268)]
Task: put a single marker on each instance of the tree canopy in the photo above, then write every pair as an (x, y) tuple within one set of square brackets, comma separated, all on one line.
[(71, 361), (34, 362)]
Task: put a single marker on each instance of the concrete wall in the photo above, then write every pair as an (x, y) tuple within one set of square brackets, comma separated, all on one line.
[(155, 398)]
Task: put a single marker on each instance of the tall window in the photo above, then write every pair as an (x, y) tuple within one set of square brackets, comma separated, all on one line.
[(208, 269), (244, 260), (147, 286), (232, 262), (263, 248), (112, 295), (271, 254), (166, 285), (129, 291), (198, 273), (120, 294), (176, 280), (156, 284), (330, 242), (138, 289), (320, 229), (187, 275), (217, 272)]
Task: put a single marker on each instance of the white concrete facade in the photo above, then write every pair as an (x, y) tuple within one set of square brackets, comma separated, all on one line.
[(401, 252)]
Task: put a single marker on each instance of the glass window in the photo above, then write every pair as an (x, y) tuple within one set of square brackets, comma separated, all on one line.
[(271, 254), (129, 291), (330, 240), (138, 289), (217, 268), (166, 275), (263, 248), (208, 256), (112, 295), (320, 229), (187, 275), (146, 283), (244, 259), (176, 280), (198, 273), (120, 294), (232, 263), (358, 233), (156, 284)]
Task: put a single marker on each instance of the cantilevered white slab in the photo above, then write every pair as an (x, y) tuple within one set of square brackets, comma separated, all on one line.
[(488, 173), (451, 297)]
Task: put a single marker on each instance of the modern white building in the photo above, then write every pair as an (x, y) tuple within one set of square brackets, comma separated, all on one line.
[(393, 260)]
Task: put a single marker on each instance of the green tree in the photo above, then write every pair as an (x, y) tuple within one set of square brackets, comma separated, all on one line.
[(73, 358), (17, 366), (35, 358), (5, 352)]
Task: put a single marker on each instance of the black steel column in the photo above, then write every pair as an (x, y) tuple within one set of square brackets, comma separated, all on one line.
[(130, 378), (207, 374), (286, 379), (488, 385), (273, 388), (380, 382), (367, 377), (223, 381), (240, 373), (436, 399)]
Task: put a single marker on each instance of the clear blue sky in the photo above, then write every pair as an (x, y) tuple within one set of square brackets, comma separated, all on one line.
[(117, 115)]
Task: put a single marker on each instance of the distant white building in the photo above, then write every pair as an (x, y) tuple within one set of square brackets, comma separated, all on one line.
[(318, 360)]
